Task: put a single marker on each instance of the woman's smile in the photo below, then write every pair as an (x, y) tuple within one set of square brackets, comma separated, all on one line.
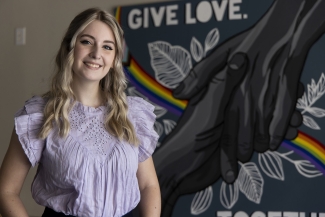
[(92, 65)]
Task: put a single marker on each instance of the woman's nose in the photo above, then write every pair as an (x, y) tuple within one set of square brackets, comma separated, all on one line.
[(95, 53)]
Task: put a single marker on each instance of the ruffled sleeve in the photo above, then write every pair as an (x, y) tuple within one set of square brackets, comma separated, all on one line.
[(143, 118), (28, 122)]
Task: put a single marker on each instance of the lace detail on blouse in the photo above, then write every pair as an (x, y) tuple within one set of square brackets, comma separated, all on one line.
[(91, 127), (77, 119)]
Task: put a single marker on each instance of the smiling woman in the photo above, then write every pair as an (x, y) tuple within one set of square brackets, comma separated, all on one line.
[(94, 53), (92, 144)]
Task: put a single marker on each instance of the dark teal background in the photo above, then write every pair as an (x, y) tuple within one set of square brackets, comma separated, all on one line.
[(296, 193)]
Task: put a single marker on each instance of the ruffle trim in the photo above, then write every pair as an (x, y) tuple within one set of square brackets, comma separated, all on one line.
[(141, 114), (28, 122)]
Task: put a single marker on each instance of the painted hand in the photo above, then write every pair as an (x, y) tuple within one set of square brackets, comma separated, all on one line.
[(241, 97), (262, 111)]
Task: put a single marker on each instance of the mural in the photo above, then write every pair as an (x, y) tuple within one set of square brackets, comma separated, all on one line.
[(238, 91)]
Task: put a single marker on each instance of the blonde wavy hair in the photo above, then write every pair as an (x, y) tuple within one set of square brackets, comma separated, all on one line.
[(61, 97)]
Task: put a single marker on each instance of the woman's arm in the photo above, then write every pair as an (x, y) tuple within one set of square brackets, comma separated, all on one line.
[(13, 172), (150, 203)]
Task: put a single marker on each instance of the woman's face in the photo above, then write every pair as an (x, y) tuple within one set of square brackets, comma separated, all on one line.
[(94, 52)]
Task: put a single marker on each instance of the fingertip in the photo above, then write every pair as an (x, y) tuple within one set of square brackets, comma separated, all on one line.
[(177, 93), (230, 177), (244, 158), (228, 162), (273, 146), (275, 143), (244, 152), (291, 133), (261, 143), (296, 119), (237, 61), (261, 148), (188, 87)]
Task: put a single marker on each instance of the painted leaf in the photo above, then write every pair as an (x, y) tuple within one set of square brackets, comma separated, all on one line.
[(317, 112), (313, 84), (306, 169), (251, 182), (271, 165), (133, 92), (170, 63), (211, 40), (321, 84), (196, 50), (302, 102), (159, 111), (311, 94), (309, 122), (202, 201), (315, 91), (229, 194), (158, 128), (168, 125)]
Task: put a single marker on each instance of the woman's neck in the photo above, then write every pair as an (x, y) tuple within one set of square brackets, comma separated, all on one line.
[(89, 94)]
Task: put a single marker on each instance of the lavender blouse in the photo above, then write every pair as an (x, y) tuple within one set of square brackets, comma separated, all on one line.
[(90, 172)]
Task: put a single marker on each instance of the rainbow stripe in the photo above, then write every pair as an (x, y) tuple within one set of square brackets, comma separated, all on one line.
[(118, 14), (304, 145), (148, 86), (309, 148)]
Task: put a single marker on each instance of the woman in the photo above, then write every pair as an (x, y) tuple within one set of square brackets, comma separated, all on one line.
[(93, 144)]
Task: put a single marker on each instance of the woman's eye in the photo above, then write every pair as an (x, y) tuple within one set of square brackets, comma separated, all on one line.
[(85, 42), (108, 47)]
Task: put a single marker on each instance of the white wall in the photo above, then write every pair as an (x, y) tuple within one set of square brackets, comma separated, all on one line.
[(25, 70)]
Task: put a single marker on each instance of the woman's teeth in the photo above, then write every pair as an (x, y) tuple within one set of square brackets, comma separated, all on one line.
[(92, 65)]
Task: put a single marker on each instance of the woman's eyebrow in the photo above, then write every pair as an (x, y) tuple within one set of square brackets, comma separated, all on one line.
[(92, 37)]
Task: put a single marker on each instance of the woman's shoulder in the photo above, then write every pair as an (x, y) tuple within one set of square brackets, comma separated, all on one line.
[(35, 104), (139, 104)]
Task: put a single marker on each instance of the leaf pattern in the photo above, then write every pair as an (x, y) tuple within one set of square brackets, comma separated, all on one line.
[(168, 125), (196, 50), (314, 93), (229, 194), (311, 91), (202, 201), (158, 127), (211, 40), (271, 165), (309, 122), (159, 111), (170, 63), (317, 112), (303, 167), (251, 182), (302, 102)]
